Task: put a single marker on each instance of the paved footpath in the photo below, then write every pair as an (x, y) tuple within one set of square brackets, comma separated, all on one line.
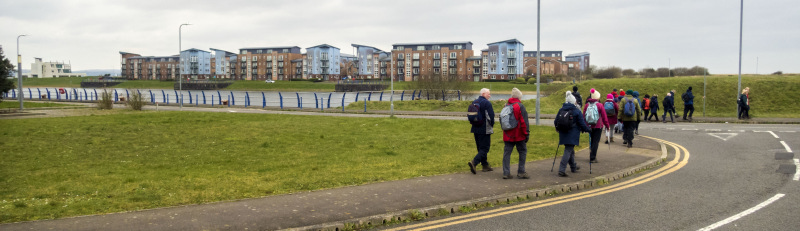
[(371, 203)]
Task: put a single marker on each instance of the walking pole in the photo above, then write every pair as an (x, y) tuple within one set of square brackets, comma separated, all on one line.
[(554, 159)]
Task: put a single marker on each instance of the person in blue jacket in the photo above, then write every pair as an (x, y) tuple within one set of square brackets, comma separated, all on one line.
[(483, 133), (572, 137), (688, 104)]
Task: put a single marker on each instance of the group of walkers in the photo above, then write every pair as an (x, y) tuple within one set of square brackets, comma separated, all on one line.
[(594, 116)]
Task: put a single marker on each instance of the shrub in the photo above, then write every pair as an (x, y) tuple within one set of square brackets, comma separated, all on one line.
[(533, 81), (136, 102), (518, 81), (778, 73), (105, 102)]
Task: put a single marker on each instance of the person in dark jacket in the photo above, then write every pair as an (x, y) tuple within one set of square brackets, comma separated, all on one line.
[(577, 95), (669, 107), (744, 104), (638, 102), (688, 104), (483, 133), (572, 137), (653, 108), (517, 136), (629, 121)]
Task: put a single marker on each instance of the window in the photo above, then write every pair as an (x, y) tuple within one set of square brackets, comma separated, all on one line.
[(420, 48), (416, 70), (416, 63), (400, 56), (436, 47), (452, 71), (436, 55), (255, 58), (259, 51), (452, 63), (400, 48), (244, 52), (416, 55), (457, 47), (452, 55), (436, 70), (285, 50), (436, 63)]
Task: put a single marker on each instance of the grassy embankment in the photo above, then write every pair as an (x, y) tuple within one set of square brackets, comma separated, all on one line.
[(770, 95), (70, 166), (15, 104)]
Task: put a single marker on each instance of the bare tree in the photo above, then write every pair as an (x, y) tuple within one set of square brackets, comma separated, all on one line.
[(440, 86)]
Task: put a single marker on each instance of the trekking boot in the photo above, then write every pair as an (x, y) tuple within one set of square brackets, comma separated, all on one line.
[(577, 167), (624, 142), (523, 176), (562, 174), (487, 168), (507, 176), (593, 161), (630, 144), (606, 141), (471, 167)]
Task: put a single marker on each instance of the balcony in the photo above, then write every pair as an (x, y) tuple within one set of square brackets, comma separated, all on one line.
[(452, 64), (476, 64), (436, 56), (512, 55), (280, 58), (269, 58), (325, 64), (401, 57), (325, 58), (512, 64)]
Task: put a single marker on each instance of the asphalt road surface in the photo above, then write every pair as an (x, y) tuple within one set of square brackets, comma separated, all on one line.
[(722, 177)]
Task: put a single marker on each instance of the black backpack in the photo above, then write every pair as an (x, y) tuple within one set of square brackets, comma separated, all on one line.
[(564, 120), (685, 96), (473, 114)]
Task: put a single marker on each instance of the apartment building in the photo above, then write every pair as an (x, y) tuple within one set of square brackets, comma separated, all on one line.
[(195, 64), (368, 61), (262, 63), (348, 65), (135, 66), (418, 61), (221, 64), (323, 61), (41, 69), (581, 58), (504, 61)]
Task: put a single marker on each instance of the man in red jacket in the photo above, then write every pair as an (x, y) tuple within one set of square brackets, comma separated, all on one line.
[(517, 136)]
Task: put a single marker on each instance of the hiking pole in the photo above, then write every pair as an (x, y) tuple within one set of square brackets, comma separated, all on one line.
[(608, 139), (554, 158)]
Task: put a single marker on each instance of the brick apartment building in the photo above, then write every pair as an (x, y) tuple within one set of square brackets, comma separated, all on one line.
[(135, 66), (262, 63), (416, 61), (581, 58)]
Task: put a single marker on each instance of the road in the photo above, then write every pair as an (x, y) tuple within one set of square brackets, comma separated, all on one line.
[(730, 180)]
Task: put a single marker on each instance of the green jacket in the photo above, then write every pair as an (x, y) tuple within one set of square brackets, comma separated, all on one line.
[(622, 116)]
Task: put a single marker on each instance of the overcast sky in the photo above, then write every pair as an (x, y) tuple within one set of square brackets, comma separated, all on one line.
[(624, 33)]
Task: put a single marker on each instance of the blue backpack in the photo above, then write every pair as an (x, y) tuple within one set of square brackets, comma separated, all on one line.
[(473, 115), (609, 106), (630, 107)]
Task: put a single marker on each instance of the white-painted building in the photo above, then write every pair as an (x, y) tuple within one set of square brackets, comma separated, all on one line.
[(41, 69)]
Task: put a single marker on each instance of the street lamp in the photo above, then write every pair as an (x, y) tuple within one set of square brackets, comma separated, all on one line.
[(19, 75), (741, 20), (180, 79), (538, 60)]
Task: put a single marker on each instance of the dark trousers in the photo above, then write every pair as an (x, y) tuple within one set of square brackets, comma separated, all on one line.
[(522, 149), (646, 114), (568, 158), (594, 142), (654, 114), (688, 110), (628, 127), (744, 112), (483, 142), (664, 117)]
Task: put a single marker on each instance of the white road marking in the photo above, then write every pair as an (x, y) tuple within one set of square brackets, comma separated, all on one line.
[(788, 131), (797, 170), (770, 132), (713, 130), (740, 131), (745, 213), (725, 135), (786, 146), (690, 129)]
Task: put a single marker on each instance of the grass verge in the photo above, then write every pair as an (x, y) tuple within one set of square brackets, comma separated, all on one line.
[(70, 166), (15, 104)]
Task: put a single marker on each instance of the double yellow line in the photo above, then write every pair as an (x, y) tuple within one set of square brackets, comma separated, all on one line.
[(680, 160)]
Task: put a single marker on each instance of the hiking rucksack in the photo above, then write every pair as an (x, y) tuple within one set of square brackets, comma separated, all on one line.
[(653, 104), (630, 107), (564, 120), (646, 104), (592, 115), (507, 120), (475, 118), (609, 106), (685, 96)]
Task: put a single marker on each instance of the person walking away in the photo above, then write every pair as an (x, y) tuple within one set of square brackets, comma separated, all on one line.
[(639, 117), (612, 110), (483, 131), (744, 104), (577, 96), (653, 107), (669, 107), (645, 108), (570, 136), (596, 118), (516, 137), (614, 93), (631, 112), (688, 104)]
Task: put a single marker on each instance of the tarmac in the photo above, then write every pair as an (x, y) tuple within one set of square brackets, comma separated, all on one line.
[(377, 203)]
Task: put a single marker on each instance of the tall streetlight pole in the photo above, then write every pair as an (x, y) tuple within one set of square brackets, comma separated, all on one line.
[(19, 75), (741, 19), (391, 83), (180, 78), (538, 61)]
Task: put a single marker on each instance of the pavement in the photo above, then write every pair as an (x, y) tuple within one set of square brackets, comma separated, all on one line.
[(372, 204)]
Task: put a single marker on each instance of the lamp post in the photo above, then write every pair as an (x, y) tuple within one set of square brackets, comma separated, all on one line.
[(180, 78), (19, 74), (391, 83), (538, 60), (741, 16)]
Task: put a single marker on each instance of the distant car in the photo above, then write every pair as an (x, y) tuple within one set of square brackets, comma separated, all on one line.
[(269, 81)]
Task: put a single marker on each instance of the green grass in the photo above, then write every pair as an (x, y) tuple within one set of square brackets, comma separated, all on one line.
[(15, 104), (769, 95), (70, 166), (53, 82), (146, 84)]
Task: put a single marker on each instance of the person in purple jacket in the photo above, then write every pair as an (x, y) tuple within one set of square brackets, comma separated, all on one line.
[(597, 126)]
